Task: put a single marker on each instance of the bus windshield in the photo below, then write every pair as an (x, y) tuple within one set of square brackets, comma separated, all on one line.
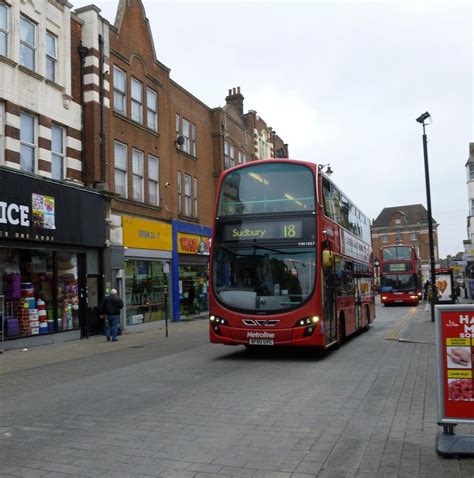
[(400, 253), (399, 282), (257, 278), (267, 188)]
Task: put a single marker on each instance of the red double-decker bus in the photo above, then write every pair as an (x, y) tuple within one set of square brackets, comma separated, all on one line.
[(291, 260), (400, 275)]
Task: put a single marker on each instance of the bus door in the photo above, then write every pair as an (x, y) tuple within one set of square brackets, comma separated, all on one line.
[(358, 302), (329, 297)]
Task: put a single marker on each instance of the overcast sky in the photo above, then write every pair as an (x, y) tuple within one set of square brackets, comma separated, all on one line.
[(341, 83)]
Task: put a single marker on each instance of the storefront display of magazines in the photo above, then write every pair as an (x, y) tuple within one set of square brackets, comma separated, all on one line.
[(455, 359)]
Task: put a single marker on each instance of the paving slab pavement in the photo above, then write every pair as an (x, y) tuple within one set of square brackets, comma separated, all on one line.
[(379, 424)]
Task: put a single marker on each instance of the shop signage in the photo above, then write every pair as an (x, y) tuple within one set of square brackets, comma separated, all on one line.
[(455, 349), (146, 234), (192, 244), (33, 209)]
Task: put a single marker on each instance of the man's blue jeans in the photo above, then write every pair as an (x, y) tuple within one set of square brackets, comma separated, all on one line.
[(112, 326)]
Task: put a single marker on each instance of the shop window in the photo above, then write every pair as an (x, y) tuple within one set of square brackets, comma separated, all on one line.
[(34, 303), (51, 56), (193, 283), (153, 181), (27, 142), (27, 43), (145, 287), (67, 287), (4, 28)]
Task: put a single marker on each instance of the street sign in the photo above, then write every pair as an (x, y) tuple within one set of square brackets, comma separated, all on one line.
[(455, 351)]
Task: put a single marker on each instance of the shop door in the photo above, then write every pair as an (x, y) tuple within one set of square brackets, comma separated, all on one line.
[(95, 323)]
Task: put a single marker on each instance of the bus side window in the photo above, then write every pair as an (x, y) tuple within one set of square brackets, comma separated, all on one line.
[(328, 200)]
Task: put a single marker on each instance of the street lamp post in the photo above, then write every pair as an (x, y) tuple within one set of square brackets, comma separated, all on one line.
[(434, 294)]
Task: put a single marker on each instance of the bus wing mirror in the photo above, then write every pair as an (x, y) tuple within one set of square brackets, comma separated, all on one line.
[(327, 258)]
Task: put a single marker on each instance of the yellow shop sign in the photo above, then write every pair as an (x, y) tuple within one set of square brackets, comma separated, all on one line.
[(191, 244), (145, 234)]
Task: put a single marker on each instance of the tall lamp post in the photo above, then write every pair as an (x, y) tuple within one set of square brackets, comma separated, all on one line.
[(434, 295)]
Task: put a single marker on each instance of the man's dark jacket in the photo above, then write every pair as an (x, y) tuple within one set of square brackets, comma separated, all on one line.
[(112, 305)]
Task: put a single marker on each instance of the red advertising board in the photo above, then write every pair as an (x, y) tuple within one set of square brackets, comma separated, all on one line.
[(455, 345)]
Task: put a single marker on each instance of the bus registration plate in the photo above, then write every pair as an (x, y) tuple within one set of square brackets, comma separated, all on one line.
[(260, 341)]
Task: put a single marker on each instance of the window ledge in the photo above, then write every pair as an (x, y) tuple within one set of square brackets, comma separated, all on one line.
[(54, 85), (138, 203), (134, 123), (188, 218), (32, 73), (7, 60), (193, 158)]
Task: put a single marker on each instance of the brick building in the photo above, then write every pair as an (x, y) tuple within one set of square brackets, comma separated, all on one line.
[(405, 225), (156, 151)]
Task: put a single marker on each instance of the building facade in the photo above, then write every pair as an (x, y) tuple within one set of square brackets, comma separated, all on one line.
[(156, 151), (406, 225), (51, 227), (469, 242), (111, 170)]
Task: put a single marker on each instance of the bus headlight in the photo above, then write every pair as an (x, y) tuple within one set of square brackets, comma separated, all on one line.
[(309, 324), (217, 320), (384, 297)]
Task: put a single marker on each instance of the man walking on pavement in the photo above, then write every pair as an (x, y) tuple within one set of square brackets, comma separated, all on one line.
[(111, 307)]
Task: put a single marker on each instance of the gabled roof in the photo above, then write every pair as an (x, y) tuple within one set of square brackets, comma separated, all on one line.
[(414, 214)]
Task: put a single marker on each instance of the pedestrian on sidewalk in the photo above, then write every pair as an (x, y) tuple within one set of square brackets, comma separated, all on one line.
[(111, 307)]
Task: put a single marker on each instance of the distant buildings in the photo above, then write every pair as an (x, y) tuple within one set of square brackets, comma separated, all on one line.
[(405, 225)]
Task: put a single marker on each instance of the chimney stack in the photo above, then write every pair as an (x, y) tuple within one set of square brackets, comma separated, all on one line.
[(236, 99)]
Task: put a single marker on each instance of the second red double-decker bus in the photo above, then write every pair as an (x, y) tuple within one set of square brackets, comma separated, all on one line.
[(291, 261), (400, 275)]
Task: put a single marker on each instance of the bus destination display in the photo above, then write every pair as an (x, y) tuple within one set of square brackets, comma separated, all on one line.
[(247, 231), (398, 267)]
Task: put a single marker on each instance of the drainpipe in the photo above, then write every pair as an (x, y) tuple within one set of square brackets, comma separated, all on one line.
[(83, 51), (101, 102)]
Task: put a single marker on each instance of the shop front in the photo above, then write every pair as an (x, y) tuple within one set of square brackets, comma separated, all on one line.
[(51, 237), (190, 261), (147, 258)]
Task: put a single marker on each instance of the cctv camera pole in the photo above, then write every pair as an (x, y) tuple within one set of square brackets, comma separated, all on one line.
[(434, 293)]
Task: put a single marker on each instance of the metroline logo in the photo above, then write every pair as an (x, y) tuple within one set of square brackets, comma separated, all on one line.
[(260, 335)]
